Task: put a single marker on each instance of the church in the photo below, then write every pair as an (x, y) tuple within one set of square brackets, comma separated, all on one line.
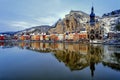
[(95, 32)]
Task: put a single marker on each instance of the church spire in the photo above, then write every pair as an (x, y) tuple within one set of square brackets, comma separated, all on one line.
[(92, 17), (92, 9)]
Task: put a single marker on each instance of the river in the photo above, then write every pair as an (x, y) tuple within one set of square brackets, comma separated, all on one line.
[(59, 61)]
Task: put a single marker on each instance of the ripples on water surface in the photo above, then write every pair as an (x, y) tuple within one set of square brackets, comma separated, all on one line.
[(63, 61)]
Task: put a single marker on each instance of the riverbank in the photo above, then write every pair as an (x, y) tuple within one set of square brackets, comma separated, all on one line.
[(48, 41), (110, 42)]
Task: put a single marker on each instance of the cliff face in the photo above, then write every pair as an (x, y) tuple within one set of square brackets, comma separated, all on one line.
[(72, 22), (77, 21)]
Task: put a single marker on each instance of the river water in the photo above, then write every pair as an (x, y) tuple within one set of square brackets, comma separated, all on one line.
[(59, 61)]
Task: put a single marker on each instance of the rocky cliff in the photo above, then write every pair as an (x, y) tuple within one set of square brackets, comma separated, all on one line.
[(76, 21), (72, 22)]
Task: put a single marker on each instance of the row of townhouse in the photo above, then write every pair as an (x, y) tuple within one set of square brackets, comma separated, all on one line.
[(55, 37), (5, 37)]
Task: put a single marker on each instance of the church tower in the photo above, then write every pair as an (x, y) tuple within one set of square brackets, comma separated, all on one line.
[(92, 25), (92, 17), (94, 32)]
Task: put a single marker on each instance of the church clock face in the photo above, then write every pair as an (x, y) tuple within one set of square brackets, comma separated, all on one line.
[(92, 37)]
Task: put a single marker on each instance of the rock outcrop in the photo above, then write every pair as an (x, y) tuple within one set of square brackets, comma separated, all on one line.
[(72, 22)]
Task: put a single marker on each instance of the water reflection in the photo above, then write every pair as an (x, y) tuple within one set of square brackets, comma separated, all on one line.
[(75, 56), (81, 56)]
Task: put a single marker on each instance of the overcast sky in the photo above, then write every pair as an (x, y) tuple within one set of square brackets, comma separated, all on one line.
[(20, 14)]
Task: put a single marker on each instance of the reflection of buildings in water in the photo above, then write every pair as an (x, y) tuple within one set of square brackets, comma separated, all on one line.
[(111, 57), (80, 48), (40, 47), (114, 48), (110, 53), (95, 56), (1, 43), (53, 46), (23, 44), (113, 62), (35, 45), (6, 45), (76, 56), (113, 66), (83, 49), (77, 61), (92, 68), (71, 59)]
